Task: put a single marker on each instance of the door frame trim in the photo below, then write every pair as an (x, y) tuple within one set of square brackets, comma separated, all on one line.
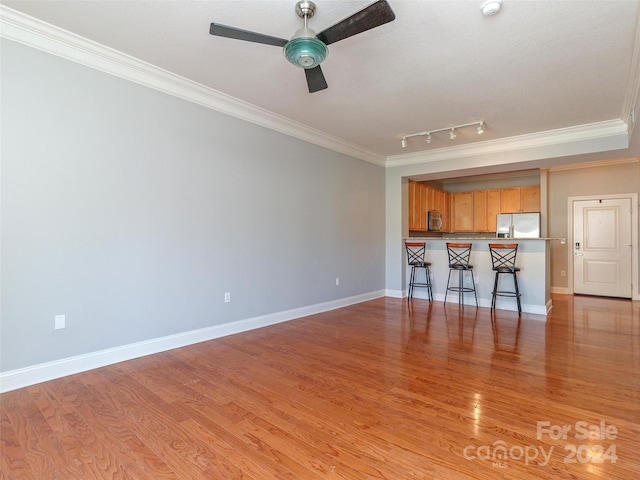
[(635, 293)]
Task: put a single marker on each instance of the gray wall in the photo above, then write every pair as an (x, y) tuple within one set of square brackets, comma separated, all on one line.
[(132, 212), (599, 180)]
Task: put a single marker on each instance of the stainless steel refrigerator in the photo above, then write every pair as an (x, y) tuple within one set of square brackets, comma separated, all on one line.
[(518, 225)]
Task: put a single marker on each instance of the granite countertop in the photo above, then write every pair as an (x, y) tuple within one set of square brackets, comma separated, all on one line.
[(484, 238)]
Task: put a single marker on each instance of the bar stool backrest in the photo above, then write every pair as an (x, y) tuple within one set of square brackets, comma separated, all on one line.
[(503, 256), (415, 252), (459, 254)]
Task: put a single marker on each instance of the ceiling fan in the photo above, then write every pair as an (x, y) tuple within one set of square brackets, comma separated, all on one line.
[(308, 50)]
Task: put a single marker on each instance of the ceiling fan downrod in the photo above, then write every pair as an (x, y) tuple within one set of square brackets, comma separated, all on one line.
[(304, 50)]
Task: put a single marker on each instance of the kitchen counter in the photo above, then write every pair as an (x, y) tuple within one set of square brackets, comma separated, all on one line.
[(533, 279), (484, 238)]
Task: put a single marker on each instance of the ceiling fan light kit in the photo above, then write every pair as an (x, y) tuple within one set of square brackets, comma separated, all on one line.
[(305, 52), (308, 50), (451, 130)]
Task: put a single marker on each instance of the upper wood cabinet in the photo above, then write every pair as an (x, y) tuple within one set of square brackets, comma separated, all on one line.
[(423, 199), (462, 214), (480, 211), (530, 199), (473, 211), (486, 205), (510, 200), (493, 208), (520, 199), (417, 207), (411, 205), (442, 205)]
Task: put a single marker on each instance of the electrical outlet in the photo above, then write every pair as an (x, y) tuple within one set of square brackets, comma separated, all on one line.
[(337, 280), (59, 322), (467, 279), (227, 297), (563, 273)]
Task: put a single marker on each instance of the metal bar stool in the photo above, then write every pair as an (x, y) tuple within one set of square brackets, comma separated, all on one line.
[(415, 258), (459, 254), (503, 258)]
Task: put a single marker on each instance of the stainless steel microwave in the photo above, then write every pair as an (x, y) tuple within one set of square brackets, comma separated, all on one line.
[(434, 223)]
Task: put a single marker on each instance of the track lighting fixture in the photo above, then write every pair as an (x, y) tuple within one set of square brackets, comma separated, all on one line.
[(451, 130)]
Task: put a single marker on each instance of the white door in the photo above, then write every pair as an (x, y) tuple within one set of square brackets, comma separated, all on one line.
[(602, 247)]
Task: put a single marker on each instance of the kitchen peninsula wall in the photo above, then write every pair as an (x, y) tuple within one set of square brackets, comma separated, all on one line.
[(468, 210)]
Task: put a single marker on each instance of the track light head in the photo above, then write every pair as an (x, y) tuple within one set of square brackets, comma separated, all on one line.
[(428, 140), (452, 134), (481, 128), (404, 142)]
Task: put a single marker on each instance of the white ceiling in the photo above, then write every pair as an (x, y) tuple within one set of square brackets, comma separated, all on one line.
[(535, 66)]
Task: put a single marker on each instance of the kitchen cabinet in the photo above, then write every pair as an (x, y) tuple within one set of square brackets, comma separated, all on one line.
[(520, 199), (417, 207), (473, 211), (510, 200), (480, 211), (486, 205), (530, 199), (411, 205), (442, 201), (431, 199), (423, 199), (493, 208), (462, 214), (422, 209)]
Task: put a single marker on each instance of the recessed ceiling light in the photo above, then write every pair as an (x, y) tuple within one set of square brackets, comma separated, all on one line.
[(491, 7)]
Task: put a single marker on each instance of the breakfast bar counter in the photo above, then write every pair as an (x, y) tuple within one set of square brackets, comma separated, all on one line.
[(533, 278)]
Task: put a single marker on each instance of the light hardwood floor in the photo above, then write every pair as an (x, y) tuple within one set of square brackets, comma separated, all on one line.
[(385, 389)]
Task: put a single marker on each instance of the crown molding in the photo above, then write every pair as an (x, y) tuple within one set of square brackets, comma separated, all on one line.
[(600, 163), (630, 106), (612, 133), (24, 29)]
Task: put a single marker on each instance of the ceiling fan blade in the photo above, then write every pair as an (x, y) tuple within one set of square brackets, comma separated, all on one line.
[(315, 79), (239, 34), (374, 15)]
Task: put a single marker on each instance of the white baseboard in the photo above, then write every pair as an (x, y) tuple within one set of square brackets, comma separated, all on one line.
[(561, 290), (395, 293), (23, 377)]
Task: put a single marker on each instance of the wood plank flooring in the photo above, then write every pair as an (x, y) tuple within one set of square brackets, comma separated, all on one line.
[(386, 389)]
